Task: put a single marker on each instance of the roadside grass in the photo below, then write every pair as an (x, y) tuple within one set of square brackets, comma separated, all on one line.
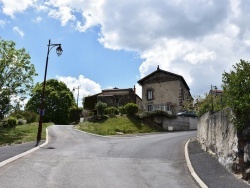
[(116, 125), (21, 134)]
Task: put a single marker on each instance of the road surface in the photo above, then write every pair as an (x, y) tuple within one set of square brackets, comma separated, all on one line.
[(75, 159)]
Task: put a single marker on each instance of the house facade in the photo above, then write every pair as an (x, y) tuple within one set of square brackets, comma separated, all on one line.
[(163, 90), (113, 97)]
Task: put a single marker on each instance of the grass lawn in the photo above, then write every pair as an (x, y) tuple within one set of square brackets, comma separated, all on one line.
[(124, 124), (21, 134)]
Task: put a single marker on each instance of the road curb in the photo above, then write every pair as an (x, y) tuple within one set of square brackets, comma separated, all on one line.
[(26, 152), (191, 169), (119, 136)]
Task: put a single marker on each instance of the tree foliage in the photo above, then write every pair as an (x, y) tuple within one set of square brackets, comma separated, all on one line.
[(16, 74), (75, 114), (57, 103), (111, 111), (131, 108), (236, 88), (100, 106), (30, 117), (209, 103)]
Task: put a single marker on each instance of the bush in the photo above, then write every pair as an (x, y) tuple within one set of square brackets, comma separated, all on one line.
[(4, 123), (122, 110), (100, 106), (236, 92), (131, 108), (18, 116), (22, 122), (12, 122), (27, 115), (97, 119), (111, 111), (155, 113), (74, 114), (30, 116)]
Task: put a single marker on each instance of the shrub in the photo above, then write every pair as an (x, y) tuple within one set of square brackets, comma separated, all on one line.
[(12, 122), (18, 116), (100, 106), (111, 111), (74, 114), (122, 110), (29, 116), (131, 108), (4, 123), (155, 113), (22, 121), (210, 103), (236, 91), (97, 118)]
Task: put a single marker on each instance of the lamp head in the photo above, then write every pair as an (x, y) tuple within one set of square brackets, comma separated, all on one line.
[(59, 50)]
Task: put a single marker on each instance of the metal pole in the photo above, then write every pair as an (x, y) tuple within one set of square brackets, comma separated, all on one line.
[(39, 133)]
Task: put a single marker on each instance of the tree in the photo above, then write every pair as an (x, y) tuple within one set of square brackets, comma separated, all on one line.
[(209, 103), (5, 105), (236, 88), (131, 108), (100, 106), (16, 74), (57, 103)]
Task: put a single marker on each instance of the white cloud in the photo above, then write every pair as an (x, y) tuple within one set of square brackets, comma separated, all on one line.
[(86, 86), (138, 90), (197, 39), (63, 14), (18, 31), (2, 23), (16, 6), (199, 57), (37, 19)]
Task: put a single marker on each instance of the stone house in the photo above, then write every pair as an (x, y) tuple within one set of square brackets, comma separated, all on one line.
[(113, 97), (163, 90)]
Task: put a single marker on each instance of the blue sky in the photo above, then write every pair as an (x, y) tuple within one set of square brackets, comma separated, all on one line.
[(110, 43)]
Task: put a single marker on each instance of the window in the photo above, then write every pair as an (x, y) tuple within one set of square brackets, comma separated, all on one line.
[(167, 108), (149, 94), (150, 108)]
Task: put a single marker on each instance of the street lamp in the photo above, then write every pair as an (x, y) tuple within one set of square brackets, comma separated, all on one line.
[(77, 93), (41, 111)]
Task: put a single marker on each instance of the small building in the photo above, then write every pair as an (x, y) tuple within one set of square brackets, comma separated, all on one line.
[(113, 97), (163, 90)]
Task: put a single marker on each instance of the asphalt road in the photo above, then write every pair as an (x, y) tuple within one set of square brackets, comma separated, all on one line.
[(75, 159)]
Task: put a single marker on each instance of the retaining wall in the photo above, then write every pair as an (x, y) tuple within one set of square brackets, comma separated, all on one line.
[(216, 133), (178, 124)]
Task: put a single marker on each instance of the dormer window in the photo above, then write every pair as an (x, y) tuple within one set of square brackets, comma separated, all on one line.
[(149, 94)]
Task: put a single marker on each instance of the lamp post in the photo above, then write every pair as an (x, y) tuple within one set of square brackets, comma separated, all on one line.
[(212, 87), (77, 94), (41, 111)]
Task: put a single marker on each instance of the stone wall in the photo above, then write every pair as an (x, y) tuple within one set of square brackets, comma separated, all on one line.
[(177, 124), (215, 133)]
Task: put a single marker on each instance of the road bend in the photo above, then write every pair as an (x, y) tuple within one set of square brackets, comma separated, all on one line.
[(76, 159)]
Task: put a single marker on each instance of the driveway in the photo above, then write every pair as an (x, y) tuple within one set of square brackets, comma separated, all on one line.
[(77, 159)]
